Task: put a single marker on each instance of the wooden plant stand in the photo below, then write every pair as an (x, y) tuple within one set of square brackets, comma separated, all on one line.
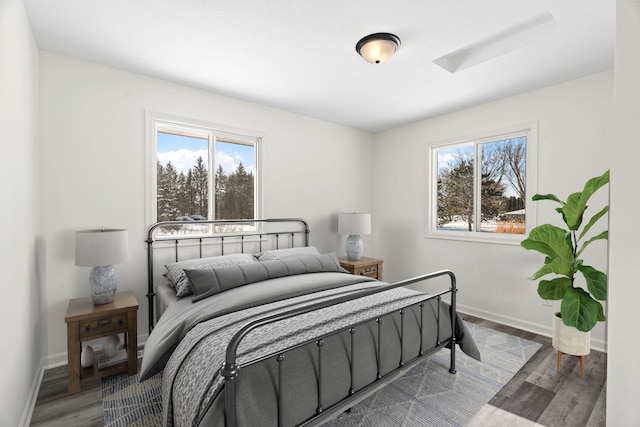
[(582, 358)]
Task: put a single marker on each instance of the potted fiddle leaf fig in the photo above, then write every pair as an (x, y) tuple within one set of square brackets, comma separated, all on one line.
[(563, 249)]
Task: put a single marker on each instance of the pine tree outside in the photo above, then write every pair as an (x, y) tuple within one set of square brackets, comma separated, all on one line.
[(184, 181)]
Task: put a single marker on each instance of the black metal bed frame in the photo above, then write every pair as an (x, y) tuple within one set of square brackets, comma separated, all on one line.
[(233, 238), (231, 368)]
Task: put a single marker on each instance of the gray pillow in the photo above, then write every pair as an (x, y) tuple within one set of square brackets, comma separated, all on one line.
[(210, 281), (287, 253), (182, 285)]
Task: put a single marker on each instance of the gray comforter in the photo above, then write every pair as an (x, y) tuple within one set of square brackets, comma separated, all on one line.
[(190, 340)]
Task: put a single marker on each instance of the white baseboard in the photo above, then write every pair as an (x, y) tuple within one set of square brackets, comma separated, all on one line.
[(544, 330), (27, 412), (51, 361)]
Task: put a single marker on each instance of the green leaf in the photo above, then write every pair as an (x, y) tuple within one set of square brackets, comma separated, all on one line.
[(572, 211), (552, 241), (602, 236), (596, 282), (594, 184), (562, 257), (537, 197), (601, 316), (554, 289), (579, 309), (577, 202), (593, 220), (546, 269)]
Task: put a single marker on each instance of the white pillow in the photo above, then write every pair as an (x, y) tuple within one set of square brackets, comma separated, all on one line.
[(287, 253), (181, 283)]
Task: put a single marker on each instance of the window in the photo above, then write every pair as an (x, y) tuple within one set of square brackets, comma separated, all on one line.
[(201, 171), (479, 187)]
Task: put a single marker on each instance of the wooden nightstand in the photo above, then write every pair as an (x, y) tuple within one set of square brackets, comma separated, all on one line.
[(86, 321), (370, 267)]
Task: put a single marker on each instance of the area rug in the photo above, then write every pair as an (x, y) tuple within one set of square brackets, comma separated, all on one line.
[(427, 395), (128, 402)]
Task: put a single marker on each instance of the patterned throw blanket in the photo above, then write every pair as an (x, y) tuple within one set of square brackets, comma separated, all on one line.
[(191, 377)]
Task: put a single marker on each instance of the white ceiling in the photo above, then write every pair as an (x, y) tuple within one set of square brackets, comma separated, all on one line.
[(299, 55)]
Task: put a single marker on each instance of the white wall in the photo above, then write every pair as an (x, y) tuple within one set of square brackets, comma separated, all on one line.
[(624, 263), (574, 144), (20, 309), (93, 147)]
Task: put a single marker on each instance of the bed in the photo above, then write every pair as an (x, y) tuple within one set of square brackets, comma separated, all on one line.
[(251, 325)]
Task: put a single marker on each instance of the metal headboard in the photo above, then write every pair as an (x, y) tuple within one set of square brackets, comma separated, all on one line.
[(265, 234)]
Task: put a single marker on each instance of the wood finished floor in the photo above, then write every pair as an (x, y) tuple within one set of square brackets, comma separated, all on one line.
[(536, 396), (539, 396)]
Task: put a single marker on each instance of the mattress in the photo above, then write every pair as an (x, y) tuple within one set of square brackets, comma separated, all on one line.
[(165, 295)]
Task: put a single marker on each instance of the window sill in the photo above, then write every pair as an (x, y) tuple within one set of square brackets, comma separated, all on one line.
[(475, 237)]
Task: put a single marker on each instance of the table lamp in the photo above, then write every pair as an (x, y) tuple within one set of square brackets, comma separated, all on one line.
[(101, 249), (354, 225)]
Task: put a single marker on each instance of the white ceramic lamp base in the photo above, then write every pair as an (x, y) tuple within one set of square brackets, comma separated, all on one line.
[(354, 247), (86, 356), (104, 282), (111, 345)]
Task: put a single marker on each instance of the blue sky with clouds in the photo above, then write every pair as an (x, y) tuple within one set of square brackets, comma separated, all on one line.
[(183, 151)]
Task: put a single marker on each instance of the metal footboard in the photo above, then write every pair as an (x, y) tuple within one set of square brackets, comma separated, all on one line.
[(231, 369)]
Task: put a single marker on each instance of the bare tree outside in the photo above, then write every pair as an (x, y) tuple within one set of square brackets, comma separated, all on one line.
[(502, 187), (505, 161)]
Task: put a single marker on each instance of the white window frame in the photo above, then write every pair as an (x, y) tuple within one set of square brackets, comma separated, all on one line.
[(431, 206), (154, 119)]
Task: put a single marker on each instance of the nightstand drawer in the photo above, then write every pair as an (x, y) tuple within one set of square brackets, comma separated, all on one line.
[(106, 326), (371, 271), (369, 267)]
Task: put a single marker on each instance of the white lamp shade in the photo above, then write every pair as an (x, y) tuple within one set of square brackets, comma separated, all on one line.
[(101, 247), (354, 223)]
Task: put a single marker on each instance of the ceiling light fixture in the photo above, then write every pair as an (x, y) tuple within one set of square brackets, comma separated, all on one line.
[(377, 48)]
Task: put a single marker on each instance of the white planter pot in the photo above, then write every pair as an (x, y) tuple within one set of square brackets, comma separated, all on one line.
[(569, 340)]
